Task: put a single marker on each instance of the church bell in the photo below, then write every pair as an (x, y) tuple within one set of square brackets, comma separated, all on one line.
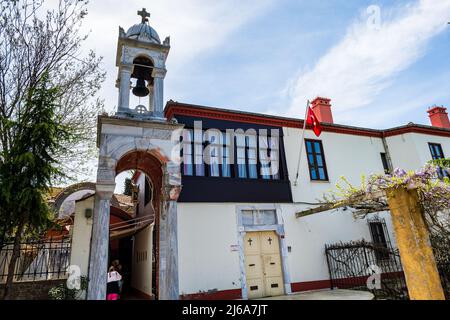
[(140, 90)]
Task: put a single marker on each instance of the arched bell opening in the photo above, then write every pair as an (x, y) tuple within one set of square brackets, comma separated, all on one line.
[(142, 84), (141, 244)]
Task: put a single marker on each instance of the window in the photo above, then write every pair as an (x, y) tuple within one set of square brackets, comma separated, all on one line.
[(275, 157), (198, 153), (241, 156), (250, 144), (436, 151), (316, 160), (213, 152), (377, 232), (246, 156), (380, 239), (226, 169), (385, 162), (188, 168), (269, 155), (231, 154), (258, 217)]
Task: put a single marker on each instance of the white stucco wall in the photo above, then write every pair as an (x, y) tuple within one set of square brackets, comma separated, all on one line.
[(307, 237), (207, 230), (346, 155), (410, 151), (81, 235), (141, 278)]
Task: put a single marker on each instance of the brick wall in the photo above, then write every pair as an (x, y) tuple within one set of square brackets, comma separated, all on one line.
[(33, 290)]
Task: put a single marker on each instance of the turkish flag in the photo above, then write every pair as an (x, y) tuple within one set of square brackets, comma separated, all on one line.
[(312, 120)]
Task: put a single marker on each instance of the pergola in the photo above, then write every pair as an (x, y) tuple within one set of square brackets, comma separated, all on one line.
[(422, 276)]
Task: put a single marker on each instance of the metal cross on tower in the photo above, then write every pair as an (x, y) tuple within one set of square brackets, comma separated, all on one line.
[(144, 14)]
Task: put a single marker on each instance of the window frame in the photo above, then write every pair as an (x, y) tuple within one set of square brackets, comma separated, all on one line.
[(184, 155), (257, 217), (316, 165), (378, 231), (226, 165), (432, 146)]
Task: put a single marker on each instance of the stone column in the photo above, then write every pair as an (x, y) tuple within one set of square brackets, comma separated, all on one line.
[(284, 258), (158, 97), (168, 253), (124, 89), (168, 239), (243, 276), (98, 264), (151, 108), (419, 265)]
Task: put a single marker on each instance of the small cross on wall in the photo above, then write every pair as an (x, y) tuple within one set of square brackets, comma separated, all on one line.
[(270, 240), (250, 242), (144, 14)]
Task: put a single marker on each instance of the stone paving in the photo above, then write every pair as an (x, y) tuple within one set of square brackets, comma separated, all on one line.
[(336, 294)]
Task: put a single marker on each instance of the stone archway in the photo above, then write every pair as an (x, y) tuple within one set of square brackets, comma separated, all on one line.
[(147, 146), (66, 192), (153, 168)]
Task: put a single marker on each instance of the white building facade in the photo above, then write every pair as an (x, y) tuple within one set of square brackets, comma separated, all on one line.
[(213, 228)]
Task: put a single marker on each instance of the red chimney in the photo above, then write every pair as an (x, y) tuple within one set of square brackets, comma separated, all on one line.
[(322, 109), (439, 117)]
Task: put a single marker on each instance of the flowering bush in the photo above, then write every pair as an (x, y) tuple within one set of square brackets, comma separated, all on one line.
[(433, 187), (433, 191), (62, 292), (432, 184)]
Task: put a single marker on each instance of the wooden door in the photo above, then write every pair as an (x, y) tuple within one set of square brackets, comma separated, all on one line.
[(263, 264)]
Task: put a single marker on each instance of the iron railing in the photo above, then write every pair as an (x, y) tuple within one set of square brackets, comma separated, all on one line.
[(444, 273), (38, 260), (351, 264), (441, 244)]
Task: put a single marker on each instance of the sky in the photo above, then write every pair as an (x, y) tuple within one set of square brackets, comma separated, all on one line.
[(382, 63)]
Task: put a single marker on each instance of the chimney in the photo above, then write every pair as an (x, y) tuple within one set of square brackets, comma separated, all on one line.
[(322, 109), (439, 117)]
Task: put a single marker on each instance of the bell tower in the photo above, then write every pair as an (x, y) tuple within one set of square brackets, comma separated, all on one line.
[(141, 60), (138, 137)]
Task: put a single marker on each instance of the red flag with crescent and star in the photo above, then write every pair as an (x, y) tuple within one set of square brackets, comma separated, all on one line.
[(312, 120)]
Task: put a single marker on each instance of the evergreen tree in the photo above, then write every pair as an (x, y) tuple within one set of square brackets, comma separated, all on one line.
[(127, 187), (28, 167)]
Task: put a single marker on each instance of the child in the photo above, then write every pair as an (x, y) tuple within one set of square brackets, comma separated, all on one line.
[(112, 286)]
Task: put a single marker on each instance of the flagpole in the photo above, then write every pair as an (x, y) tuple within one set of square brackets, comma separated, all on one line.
[(301, 144)]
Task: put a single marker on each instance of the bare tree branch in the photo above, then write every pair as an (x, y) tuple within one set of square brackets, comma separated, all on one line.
[(35, 40)]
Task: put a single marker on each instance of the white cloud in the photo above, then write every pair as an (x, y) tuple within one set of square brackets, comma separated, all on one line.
[(360, 66)]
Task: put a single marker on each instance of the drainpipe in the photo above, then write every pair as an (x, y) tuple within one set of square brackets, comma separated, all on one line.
[(386, 151)]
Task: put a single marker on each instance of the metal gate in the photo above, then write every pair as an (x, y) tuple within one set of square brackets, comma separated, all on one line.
[(365, 266)]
